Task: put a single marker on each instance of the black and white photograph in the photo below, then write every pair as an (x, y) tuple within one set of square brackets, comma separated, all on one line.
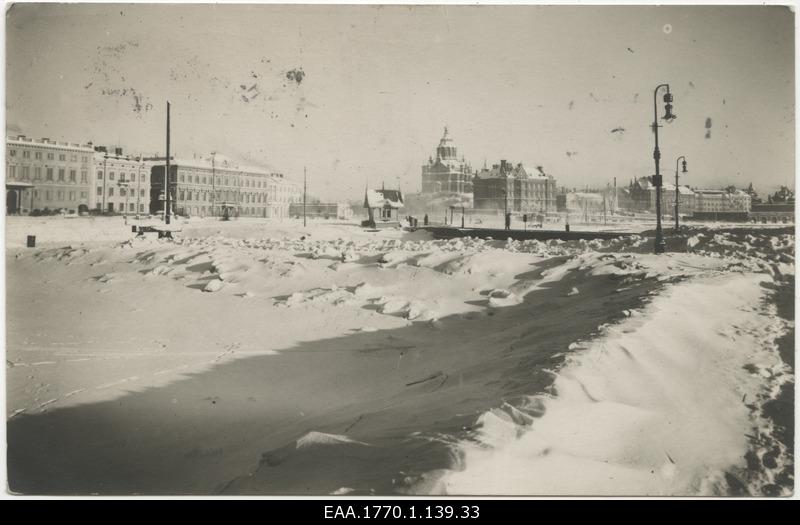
[(394, 251)]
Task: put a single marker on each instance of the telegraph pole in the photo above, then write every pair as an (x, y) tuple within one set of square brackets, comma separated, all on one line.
[(166, 175), (213, 186), (614, 201)]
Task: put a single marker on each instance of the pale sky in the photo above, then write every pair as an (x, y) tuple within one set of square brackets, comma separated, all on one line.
[(525, 84)]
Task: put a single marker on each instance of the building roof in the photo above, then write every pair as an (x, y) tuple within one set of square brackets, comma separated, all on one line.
[(508, 170), (383, 198), (22, 140)]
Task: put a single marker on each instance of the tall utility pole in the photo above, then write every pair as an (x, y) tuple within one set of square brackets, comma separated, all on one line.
[(304, 196), (138, 184), (213, 186), (105, 178), (677, 192), (614, 202), (167, 176), (124, 185)]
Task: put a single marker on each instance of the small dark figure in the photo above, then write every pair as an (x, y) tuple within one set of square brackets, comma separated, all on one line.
[(508, 221), (567, 226), (425, 220)]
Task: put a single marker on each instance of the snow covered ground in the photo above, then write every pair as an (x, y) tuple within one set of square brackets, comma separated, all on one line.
[(263, 357)]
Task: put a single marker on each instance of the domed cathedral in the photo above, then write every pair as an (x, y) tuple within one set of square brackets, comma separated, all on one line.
[(447, 173)]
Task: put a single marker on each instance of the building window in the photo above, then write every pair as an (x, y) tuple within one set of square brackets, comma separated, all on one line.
[(131, 207), (73, 176), (141, 207), (38, 155), (62, 157), (111, 192), (144, 178), (133, 177), (37, 173), (122, 192), (111, 175), (74, 158), (84, 159), (12, 152), (99, 191), (84, 194), (26, 154), (141, 193), (84, 177), (12, 172), (72, 195), (26, 173), (99, 175), (61, 195), (61, 174), (49, 174)]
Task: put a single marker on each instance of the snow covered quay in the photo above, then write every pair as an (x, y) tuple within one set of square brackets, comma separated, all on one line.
[(255, 357)]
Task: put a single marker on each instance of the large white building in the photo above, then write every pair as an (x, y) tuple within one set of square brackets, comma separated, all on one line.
[(217, 186), (47, 174), (721, 201)]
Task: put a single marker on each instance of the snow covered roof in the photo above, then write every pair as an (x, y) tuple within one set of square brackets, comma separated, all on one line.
[(383, 198), (509, 170)]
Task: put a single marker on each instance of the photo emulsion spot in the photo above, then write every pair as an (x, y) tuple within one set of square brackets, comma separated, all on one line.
[(399, 250)]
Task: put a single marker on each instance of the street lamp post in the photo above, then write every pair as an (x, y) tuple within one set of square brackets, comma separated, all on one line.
[(677, 192), (660, 245)]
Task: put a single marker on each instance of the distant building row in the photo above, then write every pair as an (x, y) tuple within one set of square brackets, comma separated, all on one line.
[(701, 203), (504, 186), (46, 174)]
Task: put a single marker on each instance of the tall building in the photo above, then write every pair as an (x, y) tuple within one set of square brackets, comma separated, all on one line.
[(512, 188), (447, 173), (46, 174), (217, 186), (121, 182), (721, 204), (642, 195)]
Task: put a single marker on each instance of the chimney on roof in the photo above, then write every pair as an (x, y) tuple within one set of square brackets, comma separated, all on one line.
[(100, 149), (118, 152), (20, 137)]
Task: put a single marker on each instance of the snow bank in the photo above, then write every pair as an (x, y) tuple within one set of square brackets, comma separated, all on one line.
[(655, 407)]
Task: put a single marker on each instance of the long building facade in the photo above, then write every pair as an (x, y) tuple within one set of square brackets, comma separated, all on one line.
[(513, 188), (447, 173), (217, 186), (44, 174)]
